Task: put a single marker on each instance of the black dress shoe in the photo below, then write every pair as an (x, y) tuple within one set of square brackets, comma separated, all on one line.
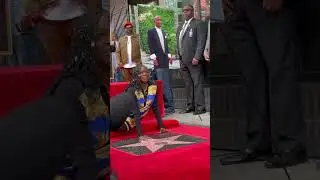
[(199, 111), (287, 158), (187, 110), (169, 111), (246, 156)]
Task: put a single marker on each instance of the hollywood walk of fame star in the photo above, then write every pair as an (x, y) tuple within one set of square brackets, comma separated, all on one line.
[(156, 144)]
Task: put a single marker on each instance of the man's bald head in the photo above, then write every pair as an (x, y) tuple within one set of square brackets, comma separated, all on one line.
[(157, 21), (188, 11)]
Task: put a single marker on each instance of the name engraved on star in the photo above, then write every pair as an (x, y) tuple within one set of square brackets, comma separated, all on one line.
[(161, 143), (156, 143)]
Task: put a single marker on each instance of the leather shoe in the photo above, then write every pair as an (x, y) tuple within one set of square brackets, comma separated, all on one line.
[(169, 111), (287, 158), (246, 156), (187, 110), (199, 111)]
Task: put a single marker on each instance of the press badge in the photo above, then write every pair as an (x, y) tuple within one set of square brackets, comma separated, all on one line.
[(190, 33)]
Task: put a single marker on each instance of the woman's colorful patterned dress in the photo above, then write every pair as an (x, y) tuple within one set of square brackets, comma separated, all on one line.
[(99, 128), (146, 100)]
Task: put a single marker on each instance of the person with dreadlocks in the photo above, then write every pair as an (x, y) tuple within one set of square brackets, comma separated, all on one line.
[(128, 108), (36, 139), (93, 101), (88, 61)]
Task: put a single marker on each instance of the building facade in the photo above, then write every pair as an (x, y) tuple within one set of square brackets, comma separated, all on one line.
[(202, 8)]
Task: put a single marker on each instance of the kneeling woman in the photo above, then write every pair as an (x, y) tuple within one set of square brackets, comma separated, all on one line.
[(128, 108), (93, 100)]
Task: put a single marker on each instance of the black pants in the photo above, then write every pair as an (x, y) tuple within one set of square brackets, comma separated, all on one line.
[(193, 78), (266, 48)]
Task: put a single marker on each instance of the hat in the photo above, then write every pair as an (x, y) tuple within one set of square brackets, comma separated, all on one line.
[(128, 24), (65, 10)]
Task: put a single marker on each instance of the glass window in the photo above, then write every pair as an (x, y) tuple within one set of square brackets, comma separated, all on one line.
[(180, 18)]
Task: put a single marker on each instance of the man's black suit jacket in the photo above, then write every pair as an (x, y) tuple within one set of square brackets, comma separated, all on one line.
[(156, 48)]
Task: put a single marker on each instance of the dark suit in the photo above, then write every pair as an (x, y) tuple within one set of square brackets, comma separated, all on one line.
[(36, 138), (162, 70), (267, 50), (156, 48), (192, 46)]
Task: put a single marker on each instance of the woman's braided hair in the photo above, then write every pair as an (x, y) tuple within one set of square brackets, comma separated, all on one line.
[(83, 67), (84, 64), (136, 79)]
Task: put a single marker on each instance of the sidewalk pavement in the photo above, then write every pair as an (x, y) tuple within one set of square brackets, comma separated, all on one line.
[(190, 119)]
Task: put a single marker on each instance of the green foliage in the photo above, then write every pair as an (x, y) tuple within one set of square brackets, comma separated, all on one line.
[(146, 15)]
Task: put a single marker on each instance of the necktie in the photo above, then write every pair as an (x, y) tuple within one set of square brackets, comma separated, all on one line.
[(180, 37)]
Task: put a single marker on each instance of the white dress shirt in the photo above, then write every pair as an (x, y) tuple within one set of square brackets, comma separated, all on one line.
[(129, 50), (160, 35)]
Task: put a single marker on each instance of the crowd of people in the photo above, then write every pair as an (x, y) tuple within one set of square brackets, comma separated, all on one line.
[(193, 44)]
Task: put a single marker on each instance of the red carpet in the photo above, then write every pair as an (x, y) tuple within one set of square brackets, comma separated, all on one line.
[(187, 161), (20, 85)]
